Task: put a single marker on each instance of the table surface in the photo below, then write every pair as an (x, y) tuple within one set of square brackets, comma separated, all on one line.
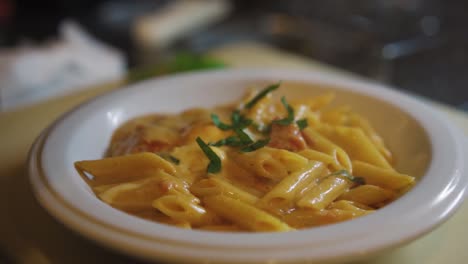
[(28, 234)]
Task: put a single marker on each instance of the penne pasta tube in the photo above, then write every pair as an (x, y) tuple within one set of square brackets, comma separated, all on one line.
[(217, 185), (369, 195), (359, 121), (356, 144), (242, 178), (311, 185), (182, 209), (138, 195), (243, 214), (305, 217), (323, 194), (283, 195), (271, 163), (318, 142), (122, 169), (385, 178), (102, 188), (350, 206), (331, 162)]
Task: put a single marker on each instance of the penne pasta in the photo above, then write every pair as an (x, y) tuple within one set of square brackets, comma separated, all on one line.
[(356, 144), (283, 195), (385, 178), (217, 185), (182, 209), (262, 164), (325, 193), (369, 195), (302, 218), (355, 208), (359, 121), (318, 142), (122, 169), (244, 215), (271, 163), (331, 162)]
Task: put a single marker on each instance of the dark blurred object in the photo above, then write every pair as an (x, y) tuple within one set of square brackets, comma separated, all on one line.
[(6, 14), (109, 20), (417, 45)]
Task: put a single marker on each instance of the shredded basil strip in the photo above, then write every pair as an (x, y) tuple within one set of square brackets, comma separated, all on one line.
[(346, 174), (235, 117), (232, 141), (215, 162), (302, 123), (239, 121), (217, 122), (262, 94), (169, 157), (288, 120), (244, 138), (254, 146)]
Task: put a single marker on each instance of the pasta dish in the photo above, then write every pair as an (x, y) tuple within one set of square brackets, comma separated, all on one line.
[(265, 163)]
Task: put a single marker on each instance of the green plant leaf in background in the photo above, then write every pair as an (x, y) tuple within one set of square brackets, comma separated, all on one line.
[(181, 62)]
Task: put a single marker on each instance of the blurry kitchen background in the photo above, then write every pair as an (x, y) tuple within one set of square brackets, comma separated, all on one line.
[(416, 45)]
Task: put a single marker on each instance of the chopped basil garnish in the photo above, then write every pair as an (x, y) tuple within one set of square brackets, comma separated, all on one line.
[(241, 138), (302, 123), (239, 121), (232, 141), (235, 117), (215, 162), (290, 118), (262, 94), (347, 175), (244, 138), (219, 124), (254, 146)]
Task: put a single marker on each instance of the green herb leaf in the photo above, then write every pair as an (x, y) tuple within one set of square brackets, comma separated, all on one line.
[(244, 138), (169, 157), (288, 120), (217, 122), (258, 144), (346, 174), (232, 141), (235, 116), (215, 162), (302, 123), (240, 121), (262, 94)]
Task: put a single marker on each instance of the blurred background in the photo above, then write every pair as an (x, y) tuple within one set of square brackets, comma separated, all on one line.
[(419, 46)]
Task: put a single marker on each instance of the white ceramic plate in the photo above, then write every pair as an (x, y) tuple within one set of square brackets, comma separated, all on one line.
[(424, 144)]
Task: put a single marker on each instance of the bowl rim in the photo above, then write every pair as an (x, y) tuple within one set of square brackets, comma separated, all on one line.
[(175, 244)]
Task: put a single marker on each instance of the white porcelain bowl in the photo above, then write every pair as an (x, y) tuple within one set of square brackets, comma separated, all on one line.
[(424, 143)]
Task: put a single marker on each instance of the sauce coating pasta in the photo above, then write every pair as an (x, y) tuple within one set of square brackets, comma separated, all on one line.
[(261, 164)]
